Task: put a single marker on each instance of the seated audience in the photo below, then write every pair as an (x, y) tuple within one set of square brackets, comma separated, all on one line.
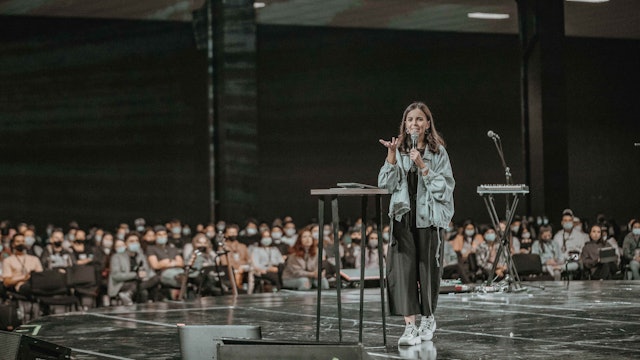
[(17, 268), (166, 260), (130, 276), (569, 239), (590, 256), (465, 245), (236, 254), (301, 269), (551, 257), (55, 256), (276, 234), (486, 255), (631, 248), (265, 260)]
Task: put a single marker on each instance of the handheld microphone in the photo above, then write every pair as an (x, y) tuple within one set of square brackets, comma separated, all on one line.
[(493, 135), (414, 139)]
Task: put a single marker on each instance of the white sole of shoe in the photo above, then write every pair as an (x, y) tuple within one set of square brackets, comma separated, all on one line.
[(426, 337), (415, 341)]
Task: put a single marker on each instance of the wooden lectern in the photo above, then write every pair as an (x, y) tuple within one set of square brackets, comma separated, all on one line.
[(364, 194)]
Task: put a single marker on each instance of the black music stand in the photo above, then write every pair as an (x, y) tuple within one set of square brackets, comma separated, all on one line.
[(487, 192), (363, 192)]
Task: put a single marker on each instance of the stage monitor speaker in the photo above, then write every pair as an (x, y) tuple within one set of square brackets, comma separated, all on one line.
[(200, 341), (15, 346), (230, 349)]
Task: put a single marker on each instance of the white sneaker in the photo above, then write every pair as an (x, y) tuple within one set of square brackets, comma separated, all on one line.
[(126, 298), (410, 337), (427, 327)]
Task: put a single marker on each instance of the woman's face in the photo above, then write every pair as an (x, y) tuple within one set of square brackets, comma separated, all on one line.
[(595, 233), (306, 240), (416, 121)]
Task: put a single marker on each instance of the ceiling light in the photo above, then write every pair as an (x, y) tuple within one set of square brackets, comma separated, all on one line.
[(590, 1), (487, 16), (258, 5)]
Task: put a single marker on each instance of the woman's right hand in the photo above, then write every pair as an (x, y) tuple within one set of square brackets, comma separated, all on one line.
[(391, 146)]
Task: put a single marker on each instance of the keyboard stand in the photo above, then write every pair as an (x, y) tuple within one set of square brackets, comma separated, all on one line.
[(511, 276)]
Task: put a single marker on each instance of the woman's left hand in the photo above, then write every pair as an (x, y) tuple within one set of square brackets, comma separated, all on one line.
[(415, 156)]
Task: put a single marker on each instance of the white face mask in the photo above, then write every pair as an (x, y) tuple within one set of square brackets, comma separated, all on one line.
[(252, 231), (373, 243), (385, 236), (276, 235), (636, 231), (469, 232), (526, 235), (29, 241), (266, 241), (315, 235), (290, 232)]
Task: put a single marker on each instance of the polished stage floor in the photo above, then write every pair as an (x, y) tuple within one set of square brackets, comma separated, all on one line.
[(585, 320)]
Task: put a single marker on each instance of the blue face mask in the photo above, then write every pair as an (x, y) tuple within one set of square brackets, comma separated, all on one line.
[(135, 247), (161, 240), (636, 231), (176, 230), (567, 225), (469, 232), (121, 250), (491, 237)]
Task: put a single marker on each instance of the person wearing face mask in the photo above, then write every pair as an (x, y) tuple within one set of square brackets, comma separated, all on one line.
[(631, 248), (465, 245), (290, 233), (371, 254), (130, 277), (525, 240), (277, 233), (551, 256), (611, 241), (237, 254), (55, 256), (33, 248), (351, 250), (176, 236), (140, 224), (148, 238), (203, 272), (590, 256), (386, 237), (250, 235), (166, 260), (486, 255), (265, 260), (301, 269), (80, 253), (17, 268), (569, 239)]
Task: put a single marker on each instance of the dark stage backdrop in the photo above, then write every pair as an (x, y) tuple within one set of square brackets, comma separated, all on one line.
[(101, 121), (326, 95), (104, 120)]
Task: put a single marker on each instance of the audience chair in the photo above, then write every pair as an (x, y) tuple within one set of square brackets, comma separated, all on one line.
[(50, 289), (82, 280), (529, 267)]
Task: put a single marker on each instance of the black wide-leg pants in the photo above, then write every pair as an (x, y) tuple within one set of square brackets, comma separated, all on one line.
[(413, 273)]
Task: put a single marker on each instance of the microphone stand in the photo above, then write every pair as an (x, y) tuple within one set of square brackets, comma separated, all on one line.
[(511, 277)]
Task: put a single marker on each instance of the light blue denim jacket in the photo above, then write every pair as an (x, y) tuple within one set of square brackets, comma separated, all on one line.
[(435, 191)]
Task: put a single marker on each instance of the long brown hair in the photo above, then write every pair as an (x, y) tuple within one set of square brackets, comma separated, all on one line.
[(298, 248), (432, 137)]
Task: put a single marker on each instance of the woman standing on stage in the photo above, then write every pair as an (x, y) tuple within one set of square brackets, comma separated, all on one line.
[(418, 173)]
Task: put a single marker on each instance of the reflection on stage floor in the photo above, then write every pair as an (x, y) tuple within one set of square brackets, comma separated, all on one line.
[(586, 320)]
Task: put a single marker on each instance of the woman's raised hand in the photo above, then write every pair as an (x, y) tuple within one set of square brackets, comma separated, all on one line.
[(392, 145)]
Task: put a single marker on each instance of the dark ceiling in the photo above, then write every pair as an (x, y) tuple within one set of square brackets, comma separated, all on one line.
[(612, 19)]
